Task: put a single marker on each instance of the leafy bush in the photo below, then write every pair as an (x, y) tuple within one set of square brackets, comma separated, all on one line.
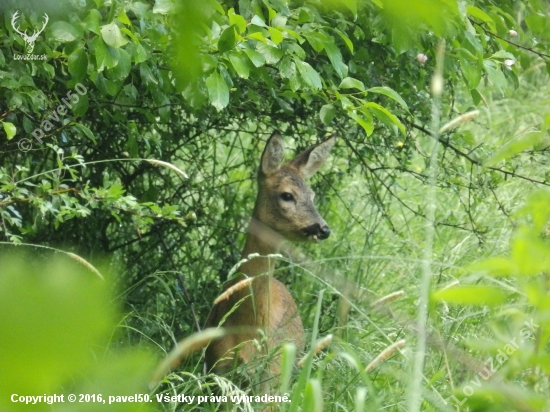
[(151, 117), (58, 323)]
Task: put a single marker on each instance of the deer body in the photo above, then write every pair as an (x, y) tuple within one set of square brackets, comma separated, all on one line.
[(284, 210)]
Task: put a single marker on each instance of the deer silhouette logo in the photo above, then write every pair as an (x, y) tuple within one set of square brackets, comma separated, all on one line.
[(29, 40)]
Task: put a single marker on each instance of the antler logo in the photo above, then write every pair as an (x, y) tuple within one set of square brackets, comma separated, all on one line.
[(29, 40)]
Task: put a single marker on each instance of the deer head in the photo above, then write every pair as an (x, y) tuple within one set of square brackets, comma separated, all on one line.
[(29, 40), (285, 202)]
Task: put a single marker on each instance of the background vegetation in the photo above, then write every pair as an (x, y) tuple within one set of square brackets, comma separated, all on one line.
[(150, 177)]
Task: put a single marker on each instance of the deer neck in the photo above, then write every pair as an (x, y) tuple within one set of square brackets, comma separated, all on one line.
[(264, 241)]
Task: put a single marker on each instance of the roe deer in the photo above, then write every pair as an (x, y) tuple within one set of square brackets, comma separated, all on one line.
[(284, 210)]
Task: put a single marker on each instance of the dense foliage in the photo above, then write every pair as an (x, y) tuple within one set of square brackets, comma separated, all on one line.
[(137, 139)]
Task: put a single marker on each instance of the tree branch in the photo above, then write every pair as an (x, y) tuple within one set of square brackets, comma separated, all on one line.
[(476, 162), (519, 46)]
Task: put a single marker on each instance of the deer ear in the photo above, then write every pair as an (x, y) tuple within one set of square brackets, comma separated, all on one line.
[(273, 154), (310, 160)]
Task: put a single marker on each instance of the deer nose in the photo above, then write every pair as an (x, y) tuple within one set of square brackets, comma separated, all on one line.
[(316, 231), (324, 232)]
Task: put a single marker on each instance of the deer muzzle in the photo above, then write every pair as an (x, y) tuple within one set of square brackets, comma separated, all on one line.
[(317, 231)]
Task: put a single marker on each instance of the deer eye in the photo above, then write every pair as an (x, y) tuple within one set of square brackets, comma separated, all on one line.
[(287, 197)]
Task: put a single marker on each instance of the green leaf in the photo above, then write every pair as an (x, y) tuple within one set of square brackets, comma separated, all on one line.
[(293, 34), (163, 6), (271, 54), (258, 36), (287, 68), (346, 40), (471, 72), (256, 58), (228, 39), (236, 19), (78, 64), (106, 56), (81, 107), (351, 83), (471, 295), (240, 64), (103, 84), (99, 50), (392, 94), (476, 96), (196, 93), (122, 69), (128, 32), (327, 113), (271, 13), (209, 63), (514, 147), (481, 15), (495, 74), (16, 100), (295, 49), (279, 21), (501, 54), (132, 146), (351, 5), (537, 22), (138, 52), (537, 208), (364, 122), (217, 6), (348, 105), (123, 18), (335, 58), (317, 40), (275, 35), (91, 22), (87, 132), (409, 20), (57, 303), (472, 43), (496, 266), (10, 129), (113, 36), (530, 253), (257, 21), (384, 115), (308, 73), (304, 15), (147, 75), (27, 125), (218, 92), (65, 32)]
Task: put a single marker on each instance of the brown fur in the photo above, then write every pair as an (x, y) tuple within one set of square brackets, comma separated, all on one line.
[(274, 219)]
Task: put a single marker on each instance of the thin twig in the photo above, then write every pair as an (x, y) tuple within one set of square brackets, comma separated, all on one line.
[(519, 46), (449, 145)]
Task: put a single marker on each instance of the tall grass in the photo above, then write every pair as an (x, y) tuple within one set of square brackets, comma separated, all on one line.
[(367, 258)]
